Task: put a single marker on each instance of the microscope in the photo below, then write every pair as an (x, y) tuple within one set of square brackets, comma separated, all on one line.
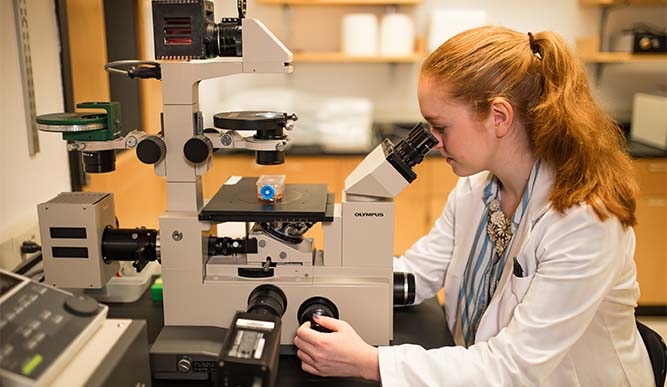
[(259, 288)]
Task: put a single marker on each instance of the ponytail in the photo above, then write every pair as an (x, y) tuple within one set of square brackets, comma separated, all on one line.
[(548, 89)]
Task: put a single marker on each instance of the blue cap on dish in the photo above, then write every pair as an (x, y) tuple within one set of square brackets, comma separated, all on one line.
[(267, 192)]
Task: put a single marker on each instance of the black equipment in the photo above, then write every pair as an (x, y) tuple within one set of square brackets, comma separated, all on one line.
[(187, 30), (409, 151), (269, 126), (251, 349), (649, 42), (404, 288), (139, 245)]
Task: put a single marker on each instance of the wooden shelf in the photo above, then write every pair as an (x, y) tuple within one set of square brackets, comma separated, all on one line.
[(339, 2), (339, 57), (623, 2), (588, 50)]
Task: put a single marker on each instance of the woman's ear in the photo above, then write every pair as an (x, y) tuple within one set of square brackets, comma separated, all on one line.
[(502, 116)]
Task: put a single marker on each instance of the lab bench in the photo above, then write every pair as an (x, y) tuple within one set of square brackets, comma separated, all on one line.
[(409, 328)]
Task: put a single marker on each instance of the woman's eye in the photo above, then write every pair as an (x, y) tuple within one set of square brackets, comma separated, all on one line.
[(439, 129)]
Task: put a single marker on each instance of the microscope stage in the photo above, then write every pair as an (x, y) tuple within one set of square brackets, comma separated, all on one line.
[(239, 203)]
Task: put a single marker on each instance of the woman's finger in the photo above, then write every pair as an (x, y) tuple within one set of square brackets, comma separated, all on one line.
[(309, 368), (330, 323), (309, 335), (305, 357), (306, 346)]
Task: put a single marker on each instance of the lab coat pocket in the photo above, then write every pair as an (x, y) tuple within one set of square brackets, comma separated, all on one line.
[(512, 296), (520, 286)]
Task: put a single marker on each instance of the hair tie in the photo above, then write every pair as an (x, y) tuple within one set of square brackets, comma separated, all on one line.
[(533, 46)]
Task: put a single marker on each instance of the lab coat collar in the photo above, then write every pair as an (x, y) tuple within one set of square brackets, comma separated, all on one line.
[(537, 207), (469, 207)]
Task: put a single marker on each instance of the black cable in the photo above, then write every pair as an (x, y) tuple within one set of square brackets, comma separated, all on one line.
[(28, 264), (137, 68)]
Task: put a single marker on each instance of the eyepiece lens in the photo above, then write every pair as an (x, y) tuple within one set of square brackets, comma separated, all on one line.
[(418, 143)]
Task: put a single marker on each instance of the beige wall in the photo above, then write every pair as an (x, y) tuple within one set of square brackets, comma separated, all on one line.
[(25, 180)]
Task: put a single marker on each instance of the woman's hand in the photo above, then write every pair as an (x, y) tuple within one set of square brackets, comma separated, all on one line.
[(338, 353)]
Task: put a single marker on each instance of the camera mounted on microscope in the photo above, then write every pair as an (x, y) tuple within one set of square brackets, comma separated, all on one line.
[(187, 30)]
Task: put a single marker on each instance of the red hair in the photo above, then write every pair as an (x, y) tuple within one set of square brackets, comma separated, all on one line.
[(548, 90)]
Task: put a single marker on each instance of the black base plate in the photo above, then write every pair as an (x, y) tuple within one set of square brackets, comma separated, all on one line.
[(239, 203)]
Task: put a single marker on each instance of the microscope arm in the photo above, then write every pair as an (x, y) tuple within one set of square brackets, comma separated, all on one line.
[(234, 140), (128, 141)]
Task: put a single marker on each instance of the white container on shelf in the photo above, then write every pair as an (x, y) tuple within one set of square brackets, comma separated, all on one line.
[(649, 120), (397, 35), (445, 23), (360, 34)]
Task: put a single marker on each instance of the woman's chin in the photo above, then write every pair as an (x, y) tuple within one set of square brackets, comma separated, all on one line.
[(459, 170)]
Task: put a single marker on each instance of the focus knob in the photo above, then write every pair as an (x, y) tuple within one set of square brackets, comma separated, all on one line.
[(151, 150), (319, 306), (198, 149)]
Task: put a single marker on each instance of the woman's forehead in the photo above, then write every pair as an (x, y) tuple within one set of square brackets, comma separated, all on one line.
[(432, 87), (435, 94)]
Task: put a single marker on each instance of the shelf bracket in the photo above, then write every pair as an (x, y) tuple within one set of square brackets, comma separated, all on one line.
[(21, 20)]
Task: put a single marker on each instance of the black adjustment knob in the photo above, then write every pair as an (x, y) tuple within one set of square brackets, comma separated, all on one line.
[(198, 149), (151, 150), (319, 306), (81, 305), (404, 288)]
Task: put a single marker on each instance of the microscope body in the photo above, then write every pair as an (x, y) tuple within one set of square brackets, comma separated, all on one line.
[(351, 279), (353, 271)]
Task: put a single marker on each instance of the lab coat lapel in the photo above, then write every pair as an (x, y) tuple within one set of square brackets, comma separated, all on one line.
[(537, 206), (469, 209)]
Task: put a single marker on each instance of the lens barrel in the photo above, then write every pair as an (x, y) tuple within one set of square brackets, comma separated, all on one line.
[(224, 39), (316, 306), (404, 288), (99, 161), (267, 299), (413, 148), (269, 157)]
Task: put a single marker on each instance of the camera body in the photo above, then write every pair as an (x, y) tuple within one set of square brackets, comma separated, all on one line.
[(187, 30)]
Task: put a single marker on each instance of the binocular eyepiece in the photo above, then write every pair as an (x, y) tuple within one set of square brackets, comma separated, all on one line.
[(413, 148)]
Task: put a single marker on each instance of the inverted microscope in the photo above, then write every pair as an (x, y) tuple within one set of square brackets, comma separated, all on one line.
[(259, 288)]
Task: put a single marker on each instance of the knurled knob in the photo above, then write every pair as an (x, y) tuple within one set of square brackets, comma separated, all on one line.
[(198, 149), (151, 150)]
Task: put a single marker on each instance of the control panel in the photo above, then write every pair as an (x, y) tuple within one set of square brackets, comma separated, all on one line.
[(41, 329)]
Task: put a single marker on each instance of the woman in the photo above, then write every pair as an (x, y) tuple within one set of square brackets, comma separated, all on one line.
[(535, 245)]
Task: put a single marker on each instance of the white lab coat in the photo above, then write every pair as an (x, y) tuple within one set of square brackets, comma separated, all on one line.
[(568, 322)]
